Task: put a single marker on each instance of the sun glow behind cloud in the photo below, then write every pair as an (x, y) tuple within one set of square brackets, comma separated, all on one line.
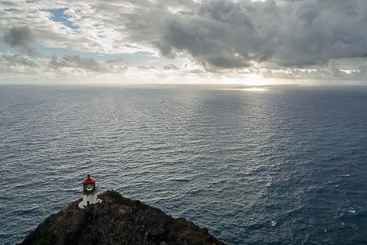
[(257, 80)]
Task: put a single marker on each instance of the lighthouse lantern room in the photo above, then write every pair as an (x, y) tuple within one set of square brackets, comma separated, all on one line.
[(89, 191)]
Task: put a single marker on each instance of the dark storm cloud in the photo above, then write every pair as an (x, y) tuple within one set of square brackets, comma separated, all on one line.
[(226, 12), (334, 69), (203, 39), (18, 60), (341, 6), (75, 61), (231, 34), (21, 38), (170, 67), (115, 60), (362, 70)]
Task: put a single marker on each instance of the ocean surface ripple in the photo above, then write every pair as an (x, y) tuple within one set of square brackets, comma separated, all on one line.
[(279, 166)]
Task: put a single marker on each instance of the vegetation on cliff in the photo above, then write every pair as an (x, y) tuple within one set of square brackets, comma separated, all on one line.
[(117, 220)]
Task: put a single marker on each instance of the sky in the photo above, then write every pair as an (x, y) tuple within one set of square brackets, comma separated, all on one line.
[(250, 42)]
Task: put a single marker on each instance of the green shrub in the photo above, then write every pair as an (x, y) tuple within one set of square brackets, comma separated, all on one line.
[(179, 224), (43, 242), (114, 195), (199, 239), (44, 233), (52, 238), (39, 235), (46, 237)]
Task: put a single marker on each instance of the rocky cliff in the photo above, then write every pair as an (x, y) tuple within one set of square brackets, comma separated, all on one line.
[(117, 220)]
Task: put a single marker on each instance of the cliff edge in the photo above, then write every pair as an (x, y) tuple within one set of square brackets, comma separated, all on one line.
[(117, 220)]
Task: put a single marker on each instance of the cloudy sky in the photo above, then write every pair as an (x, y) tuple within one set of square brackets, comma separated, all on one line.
[(184, 41)]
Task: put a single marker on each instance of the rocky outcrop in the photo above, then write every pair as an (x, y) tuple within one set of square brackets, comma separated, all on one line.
[(117, 220)]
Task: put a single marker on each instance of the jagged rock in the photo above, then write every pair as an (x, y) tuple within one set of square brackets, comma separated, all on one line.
[(117, 220)]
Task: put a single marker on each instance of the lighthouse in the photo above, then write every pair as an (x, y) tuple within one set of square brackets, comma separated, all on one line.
[(89, 192)]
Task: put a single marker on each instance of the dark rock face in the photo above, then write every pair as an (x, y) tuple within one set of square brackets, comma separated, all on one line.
[(117, 220)]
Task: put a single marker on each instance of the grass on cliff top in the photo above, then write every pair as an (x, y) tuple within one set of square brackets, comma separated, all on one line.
[(45, 237), (117, 197)]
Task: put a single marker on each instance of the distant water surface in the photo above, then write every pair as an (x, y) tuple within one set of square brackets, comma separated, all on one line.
[(271, 166)]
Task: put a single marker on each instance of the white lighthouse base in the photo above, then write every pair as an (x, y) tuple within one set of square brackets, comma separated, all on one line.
[(89, 199)]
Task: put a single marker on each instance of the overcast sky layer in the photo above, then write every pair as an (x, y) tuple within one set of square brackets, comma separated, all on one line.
[(184, 41)]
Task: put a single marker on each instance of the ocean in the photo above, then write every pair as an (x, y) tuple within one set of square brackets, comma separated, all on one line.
[(275, 165)]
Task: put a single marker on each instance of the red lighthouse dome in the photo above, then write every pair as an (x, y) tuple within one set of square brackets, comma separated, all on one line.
[(88, 180), (89, 184)]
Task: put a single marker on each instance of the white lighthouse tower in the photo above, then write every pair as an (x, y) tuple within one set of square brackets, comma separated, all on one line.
[(89, 192)]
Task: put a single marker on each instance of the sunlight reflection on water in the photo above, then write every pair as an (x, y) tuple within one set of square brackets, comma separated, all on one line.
[(253, 89), (231, 161)]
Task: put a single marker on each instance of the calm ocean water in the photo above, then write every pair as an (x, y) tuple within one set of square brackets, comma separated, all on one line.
[(278, 166)]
